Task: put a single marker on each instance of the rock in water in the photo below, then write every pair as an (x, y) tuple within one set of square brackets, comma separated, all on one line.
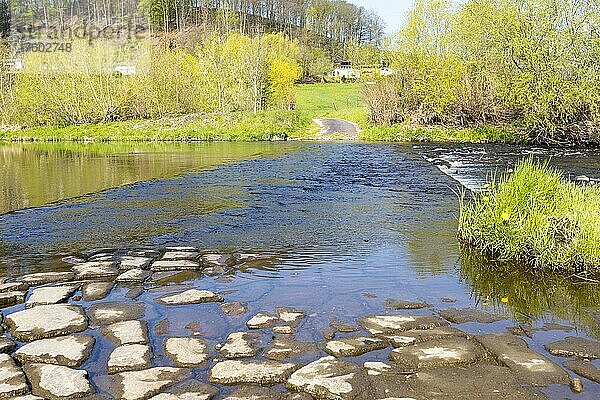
[(50, 295), (57, 382), (251, 372), (438, 353), (354, 346), (126, 332), (141, 385), (574, 347), (391, 324), (46, 321), (186, 352), (192, 296), (12, 379), (130, 357), (113, 311), (70, 351)]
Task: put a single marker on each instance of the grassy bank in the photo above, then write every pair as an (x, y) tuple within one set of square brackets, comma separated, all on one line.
[(535, 217)]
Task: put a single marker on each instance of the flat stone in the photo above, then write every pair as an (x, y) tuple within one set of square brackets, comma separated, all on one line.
[(129, 357), (9, 299), (146, 253), (110, 312), (290, 316), (13, 287), (99, 270), (43, 278), (281, 349), (390, 324), (551, 326), (46, 321), (174, 265), (174, 277), (237, 372), (141, 385), (126, 332), (50, 295), (96, 290), (438, 353), (354, 346), (240, 345), (300, 396), (283, 330), (574, 347), (73, 260), (188, 390), (192, 296), (343, 327), (462, 315), (70, 351), (6, 345), (527, 364), (329, 378), (262, 320), (585, 369), (255, 393), (235, 308), (131, 262), (27, 397), (12, 379), (393, 304), (133, 276), (57, 381), (377, 368), (415, 336), (218, 260), (186, 352), (180, 255)]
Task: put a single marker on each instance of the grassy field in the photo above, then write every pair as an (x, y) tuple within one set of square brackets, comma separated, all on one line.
[(535, 217)]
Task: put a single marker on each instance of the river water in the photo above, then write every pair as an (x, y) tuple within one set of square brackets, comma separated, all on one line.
[(345, 226)]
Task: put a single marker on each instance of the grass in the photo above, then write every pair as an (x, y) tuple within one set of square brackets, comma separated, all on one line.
[(535, 217)]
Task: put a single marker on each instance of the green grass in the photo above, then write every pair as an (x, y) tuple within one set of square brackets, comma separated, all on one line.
[(535, 217), (329, 99)]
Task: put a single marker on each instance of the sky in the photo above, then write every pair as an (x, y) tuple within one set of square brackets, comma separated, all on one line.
[(393, 12)]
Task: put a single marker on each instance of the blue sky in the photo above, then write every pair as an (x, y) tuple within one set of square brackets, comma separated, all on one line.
[(392, 11)]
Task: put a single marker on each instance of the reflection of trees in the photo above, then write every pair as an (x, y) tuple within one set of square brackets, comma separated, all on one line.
[(535, 293), (431, 247)]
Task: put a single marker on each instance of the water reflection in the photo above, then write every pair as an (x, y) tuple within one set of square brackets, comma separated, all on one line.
[(532, 295)]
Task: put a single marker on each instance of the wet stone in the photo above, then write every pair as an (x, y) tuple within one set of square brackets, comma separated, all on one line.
[(240, 345), (236, 372), (192, 296), (12, 379), (133, 276), (9, 299), (140, 385), (550, 326), (415, 336), (6, 345), (393, 304), (180, 255), (188, 390), (281, 349), (574, 347), (174, 265), (57, 381), (299, 396), (43, 278), (130, 357), (126, 332), (235, 308), (46, 321), (390, 324), (95, 270), (255, 393), (460, 316), (262, 320), (327, 333), (290, 316), (113, 311), (162, 328), (13, 287), (528, 365), (283, 330), (130, 262), (96, 290), (186, 352), (70, 351), (329, 378), (50, 295), (377, 368), (343, 327), (218, 260), (584, 369), (438, 353), (73, 260), (354, 346)]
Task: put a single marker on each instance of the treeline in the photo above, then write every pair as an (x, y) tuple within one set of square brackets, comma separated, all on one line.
[(529, 65)]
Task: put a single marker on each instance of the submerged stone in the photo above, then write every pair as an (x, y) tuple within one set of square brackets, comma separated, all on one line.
[(390, 324), (96, 290), (70, 351), (129, 357), (186, 352), (141, 385), (235, 308), (527, 364), (9, 299), (574, 347), (50, 295), (135, 275), (329, 378), (584, 369), (281, 349), (262, 320), (126, 332), (12, 379), (218, 260), (438, 353), (343, 327), (240, 345), (113, 311), (460, 316), (354, 346), (393, 304), (46, 321), (57, 382), (414, 336), (174, 265), (132, 262), (100, 270), (42, 278), (192, 296), (236, 372)]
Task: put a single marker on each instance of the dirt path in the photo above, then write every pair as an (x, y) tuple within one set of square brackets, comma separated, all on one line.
[(336, 129)]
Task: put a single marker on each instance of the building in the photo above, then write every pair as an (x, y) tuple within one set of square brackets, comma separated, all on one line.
[(344, 71)]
